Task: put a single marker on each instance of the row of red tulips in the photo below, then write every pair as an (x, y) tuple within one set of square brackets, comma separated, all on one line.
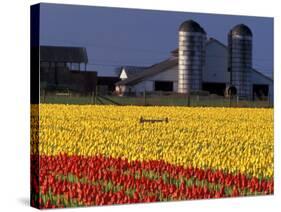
[(66, 181), (108, 193), (96, 168)]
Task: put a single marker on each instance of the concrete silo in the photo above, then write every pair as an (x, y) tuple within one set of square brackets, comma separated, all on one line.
[(192, 39), (240, 60)]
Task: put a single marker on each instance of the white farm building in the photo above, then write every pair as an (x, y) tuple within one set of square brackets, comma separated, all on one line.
[(201, 64)]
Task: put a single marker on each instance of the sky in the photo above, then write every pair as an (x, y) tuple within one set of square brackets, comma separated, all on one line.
[(116, 37)]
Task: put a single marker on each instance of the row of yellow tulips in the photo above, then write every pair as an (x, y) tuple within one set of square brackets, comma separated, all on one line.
[(230, 139)]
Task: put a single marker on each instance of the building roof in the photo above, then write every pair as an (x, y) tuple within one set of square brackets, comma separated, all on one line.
[(261, 74), (152, 70), (63, 54), (191, 26), (133, 70), (241, 29)]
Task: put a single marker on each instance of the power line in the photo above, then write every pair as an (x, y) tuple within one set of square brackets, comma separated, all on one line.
[(120, 65), (115, 47), (144, 50), (162, 58), (120, 61)]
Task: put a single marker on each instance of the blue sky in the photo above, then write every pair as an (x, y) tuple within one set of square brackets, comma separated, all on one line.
[(115, 36)]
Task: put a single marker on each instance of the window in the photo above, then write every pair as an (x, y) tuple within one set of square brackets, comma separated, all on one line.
[(214, 88), (260, 91), (163, 86)]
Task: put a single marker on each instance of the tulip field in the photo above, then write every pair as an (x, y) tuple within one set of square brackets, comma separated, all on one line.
[(84, 155)]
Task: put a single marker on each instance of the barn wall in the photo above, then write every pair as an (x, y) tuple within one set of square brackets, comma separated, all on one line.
[(82, 81), (148, 83), (215, 69), (167, 75)]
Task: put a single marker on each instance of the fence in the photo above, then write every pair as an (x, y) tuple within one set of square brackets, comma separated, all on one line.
[(151, 99)]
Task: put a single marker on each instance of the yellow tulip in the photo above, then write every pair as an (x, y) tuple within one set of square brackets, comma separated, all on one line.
[(229, 139)]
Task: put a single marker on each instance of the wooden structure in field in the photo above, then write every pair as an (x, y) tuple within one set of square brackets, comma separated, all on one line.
[(66, 68)]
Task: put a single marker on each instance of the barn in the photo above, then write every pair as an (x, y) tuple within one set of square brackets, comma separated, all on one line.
[(64, 67), (201, 64)]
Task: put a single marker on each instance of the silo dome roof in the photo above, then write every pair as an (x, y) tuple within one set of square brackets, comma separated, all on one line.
[(241, 29), (191, 26)]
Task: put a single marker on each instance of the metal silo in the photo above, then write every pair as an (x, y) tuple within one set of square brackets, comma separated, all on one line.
[(192, 39), (240, 60)]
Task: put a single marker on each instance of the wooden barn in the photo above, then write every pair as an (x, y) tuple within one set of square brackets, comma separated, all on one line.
[(66, 68)]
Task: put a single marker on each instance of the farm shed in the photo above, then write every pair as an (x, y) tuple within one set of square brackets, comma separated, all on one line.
[(66, 67)]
